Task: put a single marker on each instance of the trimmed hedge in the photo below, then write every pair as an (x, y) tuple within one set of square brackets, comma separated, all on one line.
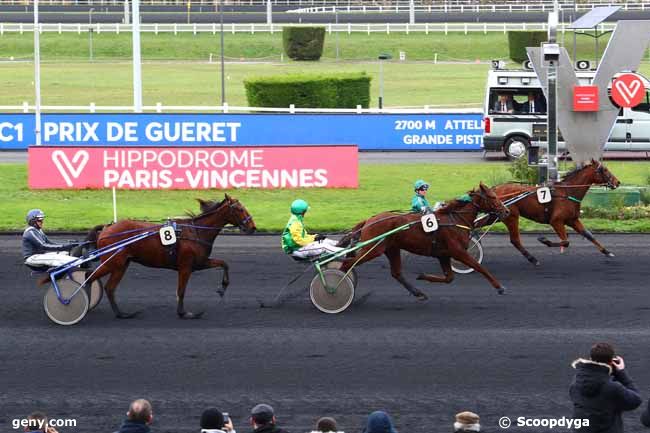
[(303, 43), (518, 41), (309, 91)]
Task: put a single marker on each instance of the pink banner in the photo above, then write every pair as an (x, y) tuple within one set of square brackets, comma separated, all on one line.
[(193, 167)]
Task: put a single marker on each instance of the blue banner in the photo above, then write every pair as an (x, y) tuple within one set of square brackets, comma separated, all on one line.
[(368, 131)]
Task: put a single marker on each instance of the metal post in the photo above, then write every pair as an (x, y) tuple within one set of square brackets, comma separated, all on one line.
[(223, 74), (573, 18), (551, 126), (137, 62), (126, 12), (381, 84), (37, 76), (269, 12), (336, 17), (90, 33), (597, 57), (412, 12), (189, 7)]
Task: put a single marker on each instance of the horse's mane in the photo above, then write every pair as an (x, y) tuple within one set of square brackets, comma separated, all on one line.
[(577, 169), (454, 205), (210, 206)]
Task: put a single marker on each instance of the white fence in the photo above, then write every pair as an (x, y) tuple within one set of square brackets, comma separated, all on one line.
[(272, 28), (160, 108), (455, 5)]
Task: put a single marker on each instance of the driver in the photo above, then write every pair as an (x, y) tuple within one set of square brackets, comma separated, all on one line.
[(419, 202), (297, 242), (38, 250)]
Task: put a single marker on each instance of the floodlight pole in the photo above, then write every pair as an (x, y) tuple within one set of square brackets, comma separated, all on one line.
[(223, 74), (137, 61), (551, 126), (37, 76)]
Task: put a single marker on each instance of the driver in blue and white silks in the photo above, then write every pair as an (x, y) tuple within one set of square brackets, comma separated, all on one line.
[(38, 250), (419, 202)]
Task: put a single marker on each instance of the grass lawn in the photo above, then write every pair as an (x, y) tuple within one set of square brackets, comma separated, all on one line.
[(383, 187)]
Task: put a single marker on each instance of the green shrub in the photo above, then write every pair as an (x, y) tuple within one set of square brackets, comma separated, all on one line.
[(309, 91), (518, 41), (522, 172), (303, 43)]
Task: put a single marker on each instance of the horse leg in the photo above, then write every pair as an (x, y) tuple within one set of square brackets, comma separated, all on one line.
[(216, 263), (116, 273), (580, 228), (512, 223), (184, 273), (445, 263), (464, 257), (395, 260), (559, 228)]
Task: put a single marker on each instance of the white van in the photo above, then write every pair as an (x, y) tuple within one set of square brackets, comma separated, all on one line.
[(509, 121)]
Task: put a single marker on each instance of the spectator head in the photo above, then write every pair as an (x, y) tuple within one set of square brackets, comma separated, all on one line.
[(140, 411), (212, 419), (37, 421), (467, 422), (379, 422), (603, 353), (262, 415), (326, 424), (531, 96)]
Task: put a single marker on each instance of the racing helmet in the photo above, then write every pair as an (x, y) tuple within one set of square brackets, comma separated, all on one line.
[(420, 184), (33, 215), (299, 207)]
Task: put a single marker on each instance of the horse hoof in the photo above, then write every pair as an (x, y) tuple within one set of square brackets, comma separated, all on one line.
[(127, 315), (501, 291), (609, 253), (189, 315), (420, 277), (422, 297)]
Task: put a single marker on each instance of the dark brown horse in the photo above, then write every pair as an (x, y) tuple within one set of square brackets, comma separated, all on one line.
[(190, 253), (563, 210), (455, 222)]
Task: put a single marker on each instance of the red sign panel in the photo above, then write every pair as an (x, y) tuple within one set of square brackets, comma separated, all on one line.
[(585, 98), (628, 90), (193, 167)]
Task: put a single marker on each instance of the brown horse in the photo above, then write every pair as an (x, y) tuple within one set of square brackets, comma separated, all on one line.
[(190, 253), (563, 210), (455, 222)]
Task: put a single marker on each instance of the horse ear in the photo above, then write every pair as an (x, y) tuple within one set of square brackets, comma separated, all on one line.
[(482, 186), (227, 197), (201, 202)]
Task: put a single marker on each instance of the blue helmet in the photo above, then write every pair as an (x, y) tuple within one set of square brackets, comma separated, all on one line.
[(33, 215)]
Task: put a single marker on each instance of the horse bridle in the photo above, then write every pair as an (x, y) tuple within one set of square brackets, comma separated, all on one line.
[(608, 176), (484, 196)]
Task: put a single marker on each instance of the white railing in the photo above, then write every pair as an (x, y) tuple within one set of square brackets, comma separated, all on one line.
[(469, 5), (160, 108), (272, 28), (463, 8)]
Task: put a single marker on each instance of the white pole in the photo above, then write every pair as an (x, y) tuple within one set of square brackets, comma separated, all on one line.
[(37, 75), (137, 63), (269, 12), (114, 206), (126, 12), (412, 12)]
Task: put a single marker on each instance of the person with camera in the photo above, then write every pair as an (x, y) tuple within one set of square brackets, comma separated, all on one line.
[(214, 421), (602, 390)]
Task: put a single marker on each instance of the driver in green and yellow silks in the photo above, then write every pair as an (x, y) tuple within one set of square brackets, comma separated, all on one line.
[(300, 244)]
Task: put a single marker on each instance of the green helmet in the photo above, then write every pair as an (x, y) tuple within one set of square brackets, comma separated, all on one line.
[(299, 207), (420, 184)]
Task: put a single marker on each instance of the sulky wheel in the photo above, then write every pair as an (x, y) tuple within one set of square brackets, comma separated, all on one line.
[(63, 314), (352, 275), (95, 291), (475, 250), (336, 295)]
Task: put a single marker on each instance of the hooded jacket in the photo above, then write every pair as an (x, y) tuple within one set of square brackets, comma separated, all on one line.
[(601, 396), (379, 422), (129, 426)]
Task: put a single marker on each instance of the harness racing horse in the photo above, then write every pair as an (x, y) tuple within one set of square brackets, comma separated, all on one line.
[(190, 253), (455, 222), (562, 210)]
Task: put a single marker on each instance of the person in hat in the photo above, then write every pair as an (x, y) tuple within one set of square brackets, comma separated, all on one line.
[(38, 250), (214, 421), (263, 420), (467, 422), (326, 424), (419, 202), (300, 244), (379, 422)]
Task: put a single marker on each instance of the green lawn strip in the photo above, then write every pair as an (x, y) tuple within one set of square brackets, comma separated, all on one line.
[(383, 187)]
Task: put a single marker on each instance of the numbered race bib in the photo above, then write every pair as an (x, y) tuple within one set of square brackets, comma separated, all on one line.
[(167, 235), (544, 195), (429, 223)]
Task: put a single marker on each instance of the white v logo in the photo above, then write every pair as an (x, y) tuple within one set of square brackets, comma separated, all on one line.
[(69, 168), (630, 92)]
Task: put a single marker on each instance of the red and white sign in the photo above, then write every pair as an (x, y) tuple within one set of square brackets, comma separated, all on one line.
[(585, 98), (628, 90), (193, 167)]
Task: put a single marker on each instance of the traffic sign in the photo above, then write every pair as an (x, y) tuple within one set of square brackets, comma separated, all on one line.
[(628, 90)]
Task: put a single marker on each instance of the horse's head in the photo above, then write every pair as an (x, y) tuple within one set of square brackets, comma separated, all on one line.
[(486, 200), (604, 176), (235, 213)]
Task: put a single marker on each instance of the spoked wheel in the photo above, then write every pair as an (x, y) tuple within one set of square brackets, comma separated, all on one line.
[(337, 293), (475, 250), (95, 290), (63, 314), (352, 275)]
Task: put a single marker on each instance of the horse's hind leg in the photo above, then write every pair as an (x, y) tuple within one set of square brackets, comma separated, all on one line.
[(464, 257), (580, 228), (512, 223), (445, 263), (216, 263), (395, 259), (116, 273), (559, 228), (184, 273)]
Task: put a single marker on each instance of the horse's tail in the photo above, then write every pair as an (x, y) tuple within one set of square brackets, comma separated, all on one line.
[(93, 234), (352, 237)]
